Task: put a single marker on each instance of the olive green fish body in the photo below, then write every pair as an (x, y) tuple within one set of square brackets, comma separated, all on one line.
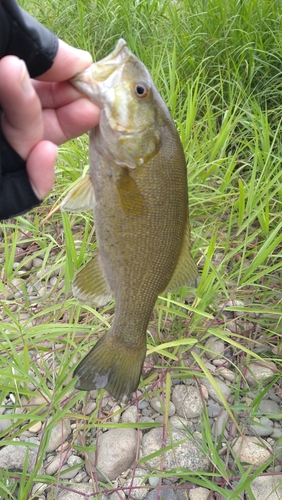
[(139, 178)]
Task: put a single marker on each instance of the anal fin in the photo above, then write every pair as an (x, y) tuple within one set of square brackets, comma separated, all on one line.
[(186, 269), (90, 285), (80, 198)]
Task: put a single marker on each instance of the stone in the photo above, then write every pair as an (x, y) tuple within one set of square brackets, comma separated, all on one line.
[(252, 450), (35, 427), (79, 491), (199, 494), (266, 487), (132, 491), (159, 406), (130, 415), (225, 389), (271, 409), (13, 458), (260, 373), (59, 434), (162, 493), (215, 347), (5, 424), (186, 454), (116, 452), (187, 401)]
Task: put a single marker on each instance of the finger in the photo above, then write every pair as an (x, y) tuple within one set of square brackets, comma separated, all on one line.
[(70, 121), (40, 168), (67, 62), (22, 122), (55, 94)]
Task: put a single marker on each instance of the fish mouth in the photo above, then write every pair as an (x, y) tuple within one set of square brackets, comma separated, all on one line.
[(97, 77)]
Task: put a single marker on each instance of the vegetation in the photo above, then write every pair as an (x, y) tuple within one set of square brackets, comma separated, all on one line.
[(218, 66)]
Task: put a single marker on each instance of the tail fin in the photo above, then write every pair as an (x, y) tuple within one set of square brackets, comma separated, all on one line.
[(111, 365)]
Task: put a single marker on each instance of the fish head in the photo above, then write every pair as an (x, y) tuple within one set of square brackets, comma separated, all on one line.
[(122, 86)]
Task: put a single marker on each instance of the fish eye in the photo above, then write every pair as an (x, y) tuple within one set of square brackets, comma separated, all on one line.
[(141, 90)]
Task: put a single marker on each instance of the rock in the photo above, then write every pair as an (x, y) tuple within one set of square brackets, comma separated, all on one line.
[(226, 373), (220, 423), (5, 424), (59, 433), (179, 423), (116, 453), (157, 405), (266, 487), (260, 430), (215, 347), (252, 450), (163, 493), (136, 493), (79, 491), (260, 373), (187, 401), (116, 414), (199, 494), (55, 463), (225, 389), (35, 427), (130, 415), (186, 454), (271, 409), (13, 458)]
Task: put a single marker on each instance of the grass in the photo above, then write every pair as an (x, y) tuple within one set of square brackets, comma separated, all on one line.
[(218, 67)]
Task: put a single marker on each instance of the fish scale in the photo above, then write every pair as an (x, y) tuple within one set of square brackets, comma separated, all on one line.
[(137, 189)]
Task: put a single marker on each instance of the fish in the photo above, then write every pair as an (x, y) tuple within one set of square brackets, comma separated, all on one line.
[(137, 189)]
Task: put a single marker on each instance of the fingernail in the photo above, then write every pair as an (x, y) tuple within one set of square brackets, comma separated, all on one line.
[(25, 80)]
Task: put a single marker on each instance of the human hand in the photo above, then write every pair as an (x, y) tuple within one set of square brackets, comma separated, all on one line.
[(40, 114)]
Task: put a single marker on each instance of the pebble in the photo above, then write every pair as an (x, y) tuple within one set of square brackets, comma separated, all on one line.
[(55, 463), (252, 450), (225, 389), (259, 372), (163, 493), (136, 493), (160, 406), (266, 487), (271, 409), (187, 454), (14, 457), (187, 401), (215, 347), (35, 427), (260, 429), (130, 415), (220, 423), (116, 452), (199, 494), (59, 434), (5, 424), (79, 491)]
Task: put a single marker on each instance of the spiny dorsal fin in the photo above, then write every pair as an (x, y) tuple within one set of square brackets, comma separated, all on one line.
[(186, 270), (90, 285), (80, 198)]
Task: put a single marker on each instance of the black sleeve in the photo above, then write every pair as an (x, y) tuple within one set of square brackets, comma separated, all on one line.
[(22, 36)]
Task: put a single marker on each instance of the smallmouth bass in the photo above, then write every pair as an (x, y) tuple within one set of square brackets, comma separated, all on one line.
[(137, 188)]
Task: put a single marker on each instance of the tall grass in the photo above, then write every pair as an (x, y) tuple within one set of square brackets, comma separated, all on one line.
[(218, 66)]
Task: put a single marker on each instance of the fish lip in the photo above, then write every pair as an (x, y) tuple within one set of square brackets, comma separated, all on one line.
[(101, 71)]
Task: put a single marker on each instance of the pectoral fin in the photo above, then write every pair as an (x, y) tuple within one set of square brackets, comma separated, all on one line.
[(90, 285), (80, 198), (186, 270), (130, 197)]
